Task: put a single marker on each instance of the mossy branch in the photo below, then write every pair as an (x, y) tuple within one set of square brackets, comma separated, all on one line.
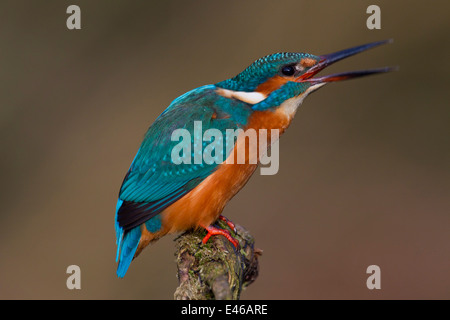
[(215, 270)]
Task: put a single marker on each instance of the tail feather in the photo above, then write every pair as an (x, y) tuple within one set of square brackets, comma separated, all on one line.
[(119, 230), (127, 243), (127, 247)]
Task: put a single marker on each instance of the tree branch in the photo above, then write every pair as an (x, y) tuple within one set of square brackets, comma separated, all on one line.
[(215, 270)]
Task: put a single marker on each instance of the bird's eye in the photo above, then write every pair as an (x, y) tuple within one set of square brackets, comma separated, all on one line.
[(288, 70)]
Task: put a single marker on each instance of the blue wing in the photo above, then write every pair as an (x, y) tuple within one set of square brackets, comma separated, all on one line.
[(153, 181)]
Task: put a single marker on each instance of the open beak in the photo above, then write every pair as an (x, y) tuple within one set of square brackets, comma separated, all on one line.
[(328, 59)]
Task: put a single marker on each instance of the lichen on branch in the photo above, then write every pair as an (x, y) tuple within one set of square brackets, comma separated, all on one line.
[(215, 270)]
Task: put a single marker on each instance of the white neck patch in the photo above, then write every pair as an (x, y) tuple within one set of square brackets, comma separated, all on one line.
[(247, 97), (290, 106)]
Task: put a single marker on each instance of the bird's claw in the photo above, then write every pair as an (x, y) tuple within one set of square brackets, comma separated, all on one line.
[(229, 223), (212, 231)]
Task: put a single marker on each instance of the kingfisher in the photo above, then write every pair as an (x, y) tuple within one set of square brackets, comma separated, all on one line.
[(159, 196)]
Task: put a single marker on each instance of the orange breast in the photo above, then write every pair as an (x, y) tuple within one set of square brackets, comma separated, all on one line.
[(204, 204)]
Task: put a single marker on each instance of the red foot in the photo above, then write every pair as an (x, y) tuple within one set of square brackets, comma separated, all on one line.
[(228, 222), (212, 231)]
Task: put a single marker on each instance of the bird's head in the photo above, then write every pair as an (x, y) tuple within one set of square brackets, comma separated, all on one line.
[(273, 79)]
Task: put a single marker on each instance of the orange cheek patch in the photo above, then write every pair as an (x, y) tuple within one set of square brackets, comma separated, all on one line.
[(307, 62), (271, 85)]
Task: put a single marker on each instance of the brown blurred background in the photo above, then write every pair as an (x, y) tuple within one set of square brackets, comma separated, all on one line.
[(364, 169)]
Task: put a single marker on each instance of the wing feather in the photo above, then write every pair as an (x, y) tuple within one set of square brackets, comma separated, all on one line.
[(153, 181)]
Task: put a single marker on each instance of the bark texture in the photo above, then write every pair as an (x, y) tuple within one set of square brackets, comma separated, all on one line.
[(215, 270)]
